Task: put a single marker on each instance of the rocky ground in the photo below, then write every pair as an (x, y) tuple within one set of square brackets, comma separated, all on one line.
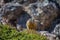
[(40, 15)]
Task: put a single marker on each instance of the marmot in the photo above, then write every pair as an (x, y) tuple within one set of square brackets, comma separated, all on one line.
[(34, 24)]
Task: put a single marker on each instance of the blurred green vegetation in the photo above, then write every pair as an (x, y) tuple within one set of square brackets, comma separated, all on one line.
[(10, 33)]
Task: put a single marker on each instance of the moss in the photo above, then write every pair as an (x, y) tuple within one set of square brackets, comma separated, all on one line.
[(10, 33)]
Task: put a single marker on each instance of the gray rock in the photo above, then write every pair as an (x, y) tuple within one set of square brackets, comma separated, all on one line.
[(1, 2), (58, 1), (57, 30), (15, 14), (11, 9), (45, 14), (48, 35), (10, 12)]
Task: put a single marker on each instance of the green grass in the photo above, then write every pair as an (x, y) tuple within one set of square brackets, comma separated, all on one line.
[(10, 33)]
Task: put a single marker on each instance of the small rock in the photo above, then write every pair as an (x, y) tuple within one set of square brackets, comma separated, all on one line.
[(57, 30), (48, 35)]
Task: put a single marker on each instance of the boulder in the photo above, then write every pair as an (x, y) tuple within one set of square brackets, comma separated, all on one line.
[(53, 25), (49, 36), (45, 14), (57, 30), (1, 2), (11, 11), (58, 1), (12, 8)]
